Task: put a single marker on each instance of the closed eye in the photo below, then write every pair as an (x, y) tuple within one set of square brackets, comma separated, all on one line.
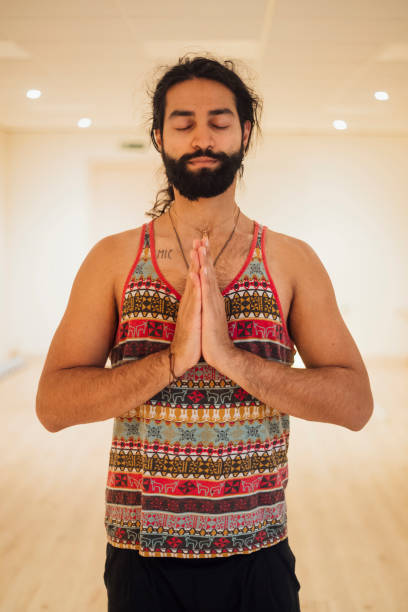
[(217, 127)]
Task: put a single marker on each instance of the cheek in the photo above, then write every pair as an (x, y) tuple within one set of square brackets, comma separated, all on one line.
[(174, 146), (237, 143)]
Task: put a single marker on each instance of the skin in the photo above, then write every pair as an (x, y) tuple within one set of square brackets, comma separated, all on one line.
[(75, 387)]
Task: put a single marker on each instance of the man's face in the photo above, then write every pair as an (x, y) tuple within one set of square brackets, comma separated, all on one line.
[(201, 120)]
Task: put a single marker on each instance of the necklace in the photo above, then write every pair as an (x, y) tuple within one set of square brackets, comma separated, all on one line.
[(204, 233)]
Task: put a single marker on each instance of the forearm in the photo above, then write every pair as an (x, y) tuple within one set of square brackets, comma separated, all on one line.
[(81, 395), (329, 394)]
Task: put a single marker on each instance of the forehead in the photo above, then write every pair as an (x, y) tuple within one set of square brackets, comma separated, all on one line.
[(199, 95)]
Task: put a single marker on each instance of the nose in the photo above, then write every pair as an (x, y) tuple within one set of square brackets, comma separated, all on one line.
[(202, 137)]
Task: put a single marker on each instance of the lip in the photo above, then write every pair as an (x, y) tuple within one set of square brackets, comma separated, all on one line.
[(201, 161)]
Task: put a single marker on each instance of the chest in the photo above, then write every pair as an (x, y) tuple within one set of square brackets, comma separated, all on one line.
[(170, 265)]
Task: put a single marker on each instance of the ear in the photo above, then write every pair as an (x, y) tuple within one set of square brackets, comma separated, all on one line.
[(247, 131), (158, 138)]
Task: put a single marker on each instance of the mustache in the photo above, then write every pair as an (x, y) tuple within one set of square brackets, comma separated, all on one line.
[(210, 155)]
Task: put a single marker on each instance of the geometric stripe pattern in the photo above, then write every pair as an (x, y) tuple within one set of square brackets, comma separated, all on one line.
[(200, 469)]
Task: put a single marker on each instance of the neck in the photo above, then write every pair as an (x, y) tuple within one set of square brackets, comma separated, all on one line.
[(205, 213)]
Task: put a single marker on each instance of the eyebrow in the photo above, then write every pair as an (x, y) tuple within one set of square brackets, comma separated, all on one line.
[(186, 113)]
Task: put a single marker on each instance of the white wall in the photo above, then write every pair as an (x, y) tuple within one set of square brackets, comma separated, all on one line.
[(344, 195), (49, 232), (347, 197)]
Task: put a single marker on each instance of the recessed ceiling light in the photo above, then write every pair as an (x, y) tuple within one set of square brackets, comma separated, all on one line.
[(381, 95), (33, 93), (84, 122), (339, 124)]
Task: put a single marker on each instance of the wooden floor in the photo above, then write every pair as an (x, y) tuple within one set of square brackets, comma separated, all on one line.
[(347, 505)]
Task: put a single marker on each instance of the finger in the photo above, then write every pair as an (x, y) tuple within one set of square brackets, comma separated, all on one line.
[(205, 241), (194, 268), (207, 264), (204, 281), (193, 261), (205, 245), (202, 253)]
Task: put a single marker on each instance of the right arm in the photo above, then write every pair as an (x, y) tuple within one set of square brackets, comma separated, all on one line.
[(75, 387)]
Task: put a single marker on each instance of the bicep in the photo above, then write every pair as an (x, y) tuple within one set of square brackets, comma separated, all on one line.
[(86, 332), (317, 327)]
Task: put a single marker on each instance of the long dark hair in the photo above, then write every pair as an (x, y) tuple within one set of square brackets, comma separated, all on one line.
[(249, 105)]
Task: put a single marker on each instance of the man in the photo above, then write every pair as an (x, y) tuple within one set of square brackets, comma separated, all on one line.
[(200, 311)]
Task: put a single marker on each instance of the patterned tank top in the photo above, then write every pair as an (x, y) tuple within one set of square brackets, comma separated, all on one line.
[(199, 470)]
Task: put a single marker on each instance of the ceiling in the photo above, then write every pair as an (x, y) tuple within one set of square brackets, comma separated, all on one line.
[(311, 62)]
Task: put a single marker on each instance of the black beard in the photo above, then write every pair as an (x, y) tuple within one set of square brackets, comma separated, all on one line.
[(205, 182)]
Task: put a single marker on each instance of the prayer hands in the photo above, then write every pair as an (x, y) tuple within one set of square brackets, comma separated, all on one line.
[(215, 340), (186, 344), (201, 321)]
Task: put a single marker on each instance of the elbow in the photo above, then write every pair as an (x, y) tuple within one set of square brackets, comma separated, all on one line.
[(362, 413), (42, 415), (52, 428)]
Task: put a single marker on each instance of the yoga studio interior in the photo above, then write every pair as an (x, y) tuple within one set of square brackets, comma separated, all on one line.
[(328, 167)]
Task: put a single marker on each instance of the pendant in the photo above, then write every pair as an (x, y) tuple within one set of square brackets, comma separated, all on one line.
[(204, 233)]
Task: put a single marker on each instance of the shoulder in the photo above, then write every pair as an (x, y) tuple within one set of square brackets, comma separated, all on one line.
[(295, 247), (117, 251), (123, 248), (112, 256), (116, 243), (296, 261), (291, 253)]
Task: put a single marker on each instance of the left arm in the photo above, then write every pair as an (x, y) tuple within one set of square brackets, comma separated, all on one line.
[(334, 387)]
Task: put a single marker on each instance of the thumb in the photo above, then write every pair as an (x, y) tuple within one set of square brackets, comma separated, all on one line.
[(193, 272)]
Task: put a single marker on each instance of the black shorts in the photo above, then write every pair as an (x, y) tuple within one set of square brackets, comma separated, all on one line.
[(261, 581)]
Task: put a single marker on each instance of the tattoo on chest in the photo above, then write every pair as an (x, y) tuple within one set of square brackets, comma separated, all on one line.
[(164, 253)]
